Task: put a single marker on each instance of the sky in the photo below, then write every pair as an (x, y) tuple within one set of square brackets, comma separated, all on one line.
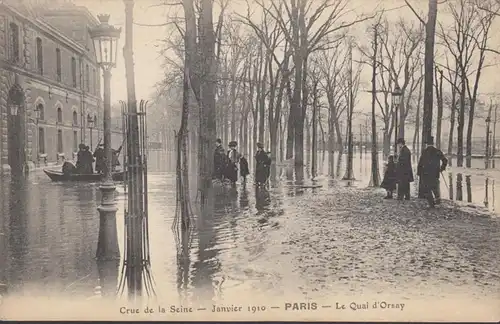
[(146, 39)]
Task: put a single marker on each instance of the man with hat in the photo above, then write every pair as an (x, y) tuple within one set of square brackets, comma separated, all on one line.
[(404, 170), (233, 159), (99, 156), (263, 163), (432, 162), (219, 160)]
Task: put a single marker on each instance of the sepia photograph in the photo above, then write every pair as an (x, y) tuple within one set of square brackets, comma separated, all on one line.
[(249, 160)]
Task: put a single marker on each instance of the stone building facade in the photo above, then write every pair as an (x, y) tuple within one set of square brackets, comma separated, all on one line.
[(46, 50)]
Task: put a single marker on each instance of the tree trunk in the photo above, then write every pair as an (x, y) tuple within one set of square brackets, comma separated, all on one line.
[(439, 100), (207, 109), (375, 179), (314, 130), (452, 122), (461, 124), (430, 30)]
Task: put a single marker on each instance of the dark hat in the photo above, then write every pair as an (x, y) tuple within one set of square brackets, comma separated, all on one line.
[(218, 141), (430, 140), (233, 144), (101, 145), (400, 141), (81, 146), (260, 145)]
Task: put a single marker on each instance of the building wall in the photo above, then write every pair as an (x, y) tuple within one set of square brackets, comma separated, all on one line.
[(43, 88)]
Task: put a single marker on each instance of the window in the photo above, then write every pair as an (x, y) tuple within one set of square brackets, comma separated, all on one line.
[(87, 78), (75, 141), (39, 55), (59, 115), (41, 111), (14, 38), (41, 141), (73, 71), (58, 64), (60, 147), (75, 118), (94, 78)]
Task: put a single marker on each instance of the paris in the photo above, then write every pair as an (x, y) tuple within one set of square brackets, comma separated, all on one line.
[(211, 155)]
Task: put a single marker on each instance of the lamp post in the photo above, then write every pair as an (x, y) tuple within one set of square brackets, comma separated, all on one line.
[(396, 97), (16, 157), (105, 40), (90, 124), (487, 149)]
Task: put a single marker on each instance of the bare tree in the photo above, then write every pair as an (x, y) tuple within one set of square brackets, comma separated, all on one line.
[(467, 42)]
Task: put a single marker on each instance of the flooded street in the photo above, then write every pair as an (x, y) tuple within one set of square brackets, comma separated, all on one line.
[(313, 243)]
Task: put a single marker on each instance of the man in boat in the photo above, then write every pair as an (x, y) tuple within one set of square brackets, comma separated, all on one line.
[(99, 155), (88, 161), (114, 158), (262, 167)]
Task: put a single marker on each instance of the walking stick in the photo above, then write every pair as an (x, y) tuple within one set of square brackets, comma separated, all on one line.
[(444, 179)]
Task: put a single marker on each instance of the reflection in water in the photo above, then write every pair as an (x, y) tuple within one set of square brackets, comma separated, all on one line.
[(262, 199), (486, 198), (493, 194), (183, 247), (450, 181), (469, 188), (244, 202), (18, 231), (459, 187)]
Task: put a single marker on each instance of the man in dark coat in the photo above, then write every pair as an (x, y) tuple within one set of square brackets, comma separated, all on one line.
[(432, 162), (404, 170), (219, 160), (262, 167), (233, 159), (99, 156)]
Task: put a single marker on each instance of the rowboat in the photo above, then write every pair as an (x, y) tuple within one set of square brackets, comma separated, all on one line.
[(94, 177)]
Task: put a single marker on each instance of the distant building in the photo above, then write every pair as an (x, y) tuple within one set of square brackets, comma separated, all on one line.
[(46, 53)]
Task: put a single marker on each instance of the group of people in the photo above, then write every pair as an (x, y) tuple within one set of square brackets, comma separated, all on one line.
[(226, 163), (85, 160), (399, 172)]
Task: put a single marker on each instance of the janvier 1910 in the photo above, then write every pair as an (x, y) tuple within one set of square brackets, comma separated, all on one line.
[(178, 309)]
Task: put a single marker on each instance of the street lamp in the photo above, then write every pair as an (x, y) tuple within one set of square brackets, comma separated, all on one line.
[(105, 39), (396, 99), (487, 150), (90, 124)]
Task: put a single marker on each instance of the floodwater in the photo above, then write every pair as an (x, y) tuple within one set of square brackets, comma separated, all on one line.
[(49, 233)]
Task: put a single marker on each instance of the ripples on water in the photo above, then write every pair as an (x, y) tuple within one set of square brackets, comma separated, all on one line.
[(50, 230)]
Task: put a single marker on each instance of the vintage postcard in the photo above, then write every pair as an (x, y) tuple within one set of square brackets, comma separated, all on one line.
[(214, 160)]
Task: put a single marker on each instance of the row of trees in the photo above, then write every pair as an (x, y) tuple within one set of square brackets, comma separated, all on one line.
[(285, 73)]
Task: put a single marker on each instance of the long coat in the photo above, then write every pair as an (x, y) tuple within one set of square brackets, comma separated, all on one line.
[(389, 182), (404, 171), (262, 166), (429, 165)]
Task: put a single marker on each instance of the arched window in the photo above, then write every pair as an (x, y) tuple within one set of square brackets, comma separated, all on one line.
[(73, 71), (39, 55), (58, 64), (75, 118), (14, 39), (40, 111), (60, 147), (59, 115)]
